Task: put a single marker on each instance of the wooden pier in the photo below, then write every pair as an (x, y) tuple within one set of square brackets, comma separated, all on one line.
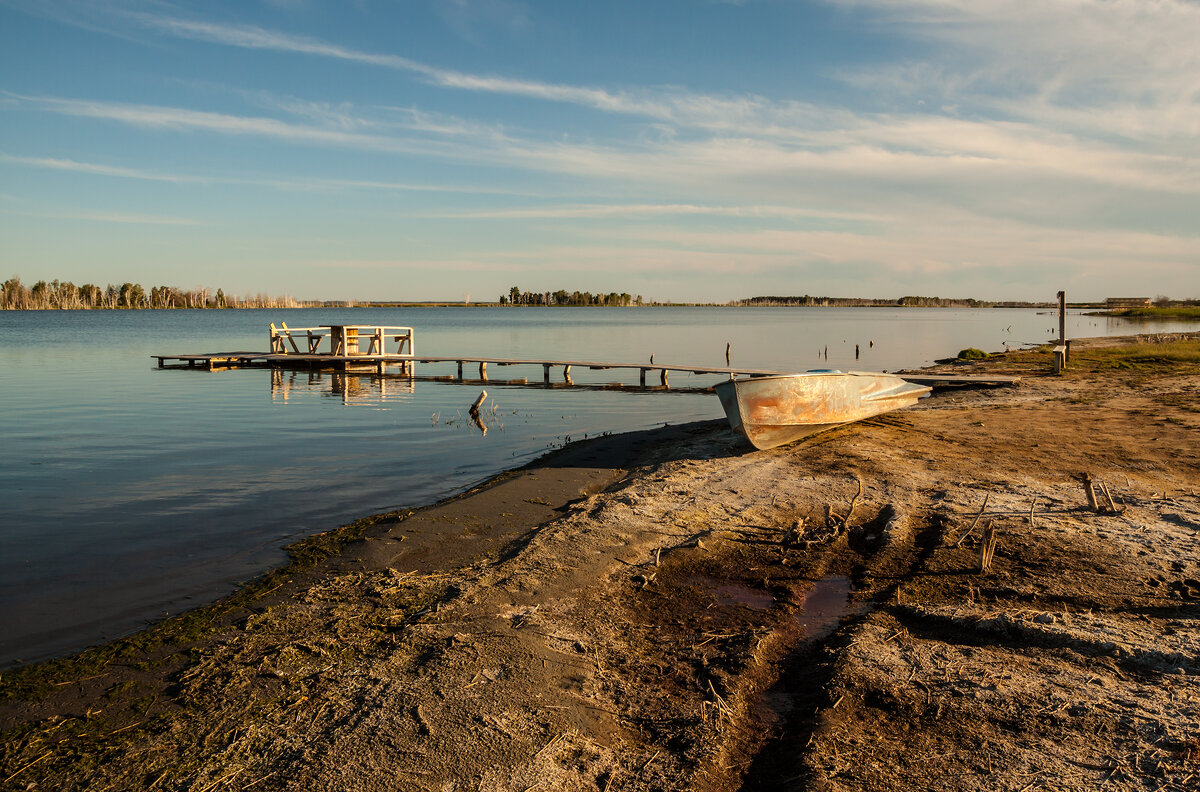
[(300, 348)]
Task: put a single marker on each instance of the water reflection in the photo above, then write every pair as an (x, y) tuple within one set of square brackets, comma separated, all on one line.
[(368, 389), (350, 388)]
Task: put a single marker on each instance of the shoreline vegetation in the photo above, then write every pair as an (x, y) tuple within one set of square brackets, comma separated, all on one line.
[(65, 295), (1156, 312), (963, 593)]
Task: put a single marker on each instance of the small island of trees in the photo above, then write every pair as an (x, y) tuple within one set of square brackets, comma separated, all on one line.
[(562, 297)]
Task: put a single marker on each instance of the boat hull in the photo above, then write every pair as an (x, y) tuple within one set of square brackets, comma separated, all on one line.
[(776, 410)]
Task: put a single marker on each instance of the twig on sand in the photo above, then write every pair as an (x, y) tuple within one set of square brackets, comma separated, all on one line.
[(23, 768), (260, 779), (982, 509), (77, 681), (222, 779), (560, 736), (853, 500)]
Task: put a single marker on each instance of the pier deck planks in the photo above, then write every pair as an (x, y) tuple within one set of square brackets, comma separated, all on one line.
[(378, 362)]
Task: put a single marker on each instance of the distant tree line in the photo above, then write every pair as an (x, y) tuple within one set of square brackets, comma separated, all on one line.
[(907, 301), (561, 297), (1163, 301), (56, 294)]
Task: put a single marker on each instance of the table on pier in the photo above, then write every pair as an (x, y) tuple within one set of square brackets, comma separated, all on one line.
[(343, 339)]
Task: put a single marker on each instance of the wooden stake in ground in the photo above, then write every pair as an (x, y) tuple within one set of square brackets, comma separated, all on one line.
[(1089, 489), (987, 548)]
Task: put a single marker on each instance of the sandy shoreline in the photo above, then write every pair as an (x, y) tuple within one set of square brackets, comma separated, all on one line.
[(669, 610)]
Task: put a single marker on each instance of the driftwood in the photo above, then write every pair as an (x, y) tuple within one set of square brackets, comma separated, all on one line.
[(793, 534), (1112, 504), (1094, 489), (478, 403)]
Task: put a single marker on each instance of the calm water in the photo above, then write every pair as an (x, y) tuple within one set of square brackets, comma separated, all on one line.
[(130, 492)]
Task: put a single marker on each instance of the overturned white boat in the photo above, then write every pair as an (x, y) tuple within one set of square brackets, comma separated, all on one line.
[(774, 410)]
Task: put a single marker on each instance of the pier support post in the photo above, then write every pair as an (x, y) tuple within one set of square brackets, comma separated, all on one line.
[(567, 374), (665, 384), (643, 377), (1062, 318), (546, 373), (460, 371), (482, 370)]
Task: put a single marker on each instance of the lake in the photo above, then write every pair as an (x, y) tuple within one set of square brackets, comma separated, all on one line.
[(132, 492)]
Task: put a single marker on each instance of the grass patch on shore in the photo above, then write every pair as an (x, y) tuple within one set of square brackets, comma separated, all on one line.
[(1183, 312), (971, 353), (1142, 355)]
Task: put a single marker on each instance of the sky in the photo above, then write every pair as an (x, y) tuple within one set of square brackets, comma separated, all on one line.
[(688, 150)]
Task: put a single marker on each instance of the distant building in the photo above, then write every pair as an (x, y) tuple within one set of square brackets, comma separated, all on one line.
[(1116, 303)]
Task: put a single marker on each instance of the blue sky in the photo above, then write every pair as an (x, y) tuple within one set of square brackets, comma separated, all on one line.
[(449, 149)]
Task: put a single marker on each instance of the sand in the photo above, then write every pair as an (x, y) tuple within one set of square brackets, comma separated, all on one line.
[(672, 610)]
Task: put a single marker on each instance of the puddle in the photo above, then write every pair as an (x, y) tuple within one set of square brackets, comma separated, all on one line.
[(732, 594), (822, 610), (824, 606), (773, 706)]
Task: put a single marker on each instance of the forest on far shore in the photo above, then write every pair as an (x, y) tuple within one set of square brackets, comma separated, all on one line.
[(57, 294)]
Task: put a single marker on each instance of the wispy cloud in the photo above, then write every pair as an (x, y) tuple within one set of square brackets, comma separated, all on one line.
[(1064, 106), (183, 119), (668, 105), (1122, 67), (54, 163), (308, 185), (606, 211), (107, 217), (971, 161)]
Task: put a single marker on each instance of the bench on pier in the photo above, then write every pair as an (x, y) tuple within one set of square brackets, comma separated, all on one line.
[(312, 337)]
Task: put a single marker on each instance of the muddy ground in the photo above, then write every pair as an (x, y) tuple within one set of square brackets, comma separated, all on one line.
[(674, 611)]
